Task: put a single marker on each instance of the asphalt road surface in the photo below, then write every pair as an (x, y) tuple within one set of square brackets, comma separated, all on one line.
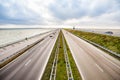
[(92, 63), (11, 49), (31, 64)]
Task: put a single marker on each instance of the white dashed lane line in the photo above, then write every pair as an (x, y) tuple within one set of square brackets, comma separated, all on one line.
[(99, 68), (28, 62)]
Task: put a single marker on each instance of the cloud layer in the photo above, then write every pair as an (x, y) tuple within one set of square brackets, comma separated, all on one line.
[(62, 12)]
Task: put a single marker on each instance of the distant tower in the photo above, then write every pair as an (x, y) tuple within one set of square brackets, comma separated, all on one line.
[(73, 27)]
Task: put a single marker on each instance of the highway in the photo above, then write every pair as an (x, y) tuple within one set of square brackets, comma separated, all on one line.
[(31, 64), (14, 48), (92, 63)]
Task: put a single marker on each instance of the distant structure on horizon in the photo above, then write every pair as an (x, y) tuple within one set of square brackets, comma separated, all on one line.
[(73, 27), (109, 32)]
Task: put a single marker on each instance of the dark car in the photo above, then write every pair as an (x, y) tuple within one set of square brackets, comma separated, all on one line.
[(109, 32)]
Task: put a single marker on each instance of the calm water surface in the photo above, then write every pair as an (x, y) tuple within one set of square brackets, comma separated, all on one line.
[(116, 32), (12, 35)]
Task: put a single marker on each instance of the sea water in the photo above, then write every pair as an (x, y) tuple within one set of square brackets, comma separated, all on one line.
[(11, 35)]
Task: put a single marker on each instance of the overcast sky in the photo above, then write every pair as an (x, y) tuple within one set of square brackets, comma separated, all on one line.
[(60, 12)]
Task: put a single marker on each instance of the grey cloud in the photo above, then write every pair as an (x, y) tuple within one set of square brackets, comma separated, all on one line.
[(70, 9), (67, 9), (16, 13), (58, 11)]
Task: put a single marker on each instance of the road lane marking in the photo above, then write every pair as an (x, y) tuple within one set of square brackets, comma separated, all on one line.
[(107, 58), (99, 68), (53, 43), (111, 62), (79, 68), (114, 64), (28, 62)]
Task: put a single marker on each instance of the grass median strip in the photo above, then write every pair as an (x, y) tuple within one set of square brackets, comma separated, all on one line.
[(54, 65), (61, 73)]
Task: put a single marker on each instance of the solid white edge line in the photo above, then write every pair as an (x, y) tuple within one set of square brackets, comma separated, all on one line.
[(80, 71), (47, 61), (105, 56), (83, 78), (102, 55), (109, 60)]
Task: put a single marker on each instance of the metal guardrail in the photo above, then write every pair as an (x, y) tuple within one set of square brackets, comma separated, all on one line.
[(68, 67), (54, 66), (3, 46), (22, 50), (114, 53)]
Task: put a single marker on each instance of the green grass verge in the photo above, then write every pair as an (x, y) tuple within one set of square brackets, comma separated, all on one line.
[(75, 72), (48, 68), (61, 73), (110, 42)]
